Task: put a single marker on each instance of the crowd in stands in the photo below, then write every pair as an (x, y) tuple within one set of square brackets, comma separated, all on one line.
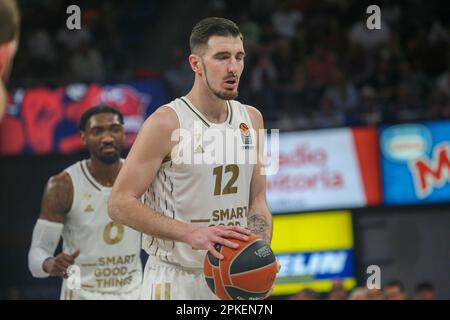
[(104, 49), (393, 290), (315, 64), (309, 64)]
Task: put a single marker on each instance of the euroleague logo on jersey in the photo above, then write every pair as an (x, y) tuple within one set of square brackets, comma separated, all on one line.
[(245, 135)]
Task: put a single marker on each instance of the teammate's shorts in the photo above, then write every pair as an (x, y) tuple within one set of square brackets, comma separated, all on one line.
[(80, 294), (163, 281)]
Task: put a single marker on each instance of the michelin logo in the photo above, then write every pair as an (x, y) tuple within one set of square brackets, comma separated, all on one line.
[(315, 264)]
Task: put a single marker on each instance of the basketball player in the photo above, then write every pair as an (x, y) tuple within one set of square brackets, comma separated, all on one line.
[(74, 205), (9, 35), (191, 207)]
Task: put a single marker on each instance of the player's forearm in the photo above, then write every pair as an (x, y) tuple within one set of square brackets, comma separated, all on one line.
[(131, 212), (259, 220)]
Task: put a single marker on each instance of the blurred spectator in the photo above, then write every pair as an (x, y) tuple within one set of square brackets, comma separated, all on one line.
[(375, 294), (370, 112), (251, 32), (262, 80), (395, 290), (359, 293), (180, 76), (370, 40), (71, 40), (320, 66), (327, 116), (87, 64), (337, 292), (342, 93), (299, 44), (285, 20), (406, 108), (443, 82), (40, 45), (305, 294), (425, 291), (383, 80)]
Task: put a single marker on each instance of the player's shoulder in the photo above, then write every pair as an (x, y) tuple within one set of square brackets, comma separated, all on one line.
[(255, 115), (162, 119), (253, 111), (60, 183)]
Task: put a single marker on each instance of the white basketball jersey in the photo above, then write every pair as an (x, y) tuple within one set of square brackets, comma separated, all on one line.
[(109, 257), (203, 192)]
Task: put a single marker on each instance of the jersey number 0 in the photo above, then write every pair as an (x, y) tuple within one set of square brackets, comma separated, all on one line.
[(107, 233)]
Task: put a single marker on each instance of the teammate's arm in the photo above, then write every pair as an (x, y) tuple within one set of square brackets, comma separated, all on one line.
[(153, 143), (56, 203), (259, 218)]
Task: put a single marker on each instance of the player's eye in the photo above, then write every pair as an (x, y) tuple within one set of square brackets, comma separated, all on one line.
[(115, 129), (222, 57), (96, 131)]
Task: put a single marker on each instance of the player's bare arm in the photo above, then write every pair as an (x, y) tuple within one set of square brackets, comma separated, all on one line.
[(259, 217), (57, 198), (56, 203), (152, 145)]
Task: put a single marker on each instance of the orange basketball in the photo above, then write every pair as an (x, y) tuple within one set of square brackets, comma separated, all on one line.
[(245, 273)]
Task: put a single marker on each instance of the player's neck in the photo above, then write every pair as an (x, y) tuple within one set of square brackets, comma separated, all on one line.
[(103, 173), (213, 108)]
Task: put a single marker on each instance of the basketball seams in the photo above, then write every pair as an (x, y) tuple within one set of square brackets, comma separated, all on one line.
[(248, 291), (232, 288), (221, 280), (244, 272), (235, 256)]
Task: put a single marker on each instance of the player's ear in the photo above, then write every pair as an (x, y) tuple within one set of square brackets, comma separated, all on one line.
[(83, 137), (7, 51), (194, 61)]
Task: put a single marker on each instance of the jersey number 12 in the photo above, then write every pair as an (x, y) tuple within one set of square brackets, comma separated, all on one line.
[(229, 187)]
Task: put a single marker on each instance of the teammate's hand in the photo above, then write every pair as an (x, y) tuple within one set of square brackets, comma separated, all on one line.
[(205, 238), (57, 266)]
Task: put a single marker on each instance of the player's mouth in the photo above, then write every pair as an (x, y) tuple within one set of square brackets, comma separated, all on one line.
[(231, 83), (108, 149)]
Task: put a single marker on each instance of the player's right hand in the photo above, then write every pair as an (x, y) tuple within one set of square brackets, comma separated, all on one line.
[(57, 266), (205, 238)]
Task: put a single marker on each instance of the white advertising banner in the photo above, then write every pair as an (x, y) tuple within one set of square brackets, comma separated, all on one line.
[(317, 170)]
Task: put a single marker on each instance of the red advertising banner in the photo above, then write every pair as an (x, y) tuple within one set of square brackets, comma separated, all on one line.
[(43, 120)]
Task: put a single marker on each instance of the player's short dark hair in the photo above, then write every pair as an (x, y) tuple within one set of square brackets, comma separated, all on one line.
[(96, 110), (424, 286), (396, 283), (209, 27), (9, 21)]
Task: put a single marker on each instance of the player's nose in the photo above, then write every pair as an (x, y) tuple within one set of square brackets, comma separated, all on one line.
[(233, 66), (107, 138)]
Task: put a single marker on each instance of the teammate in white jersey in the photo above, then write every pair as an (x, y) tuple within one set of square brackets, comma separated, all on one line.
[(106, 254), (191, 206)]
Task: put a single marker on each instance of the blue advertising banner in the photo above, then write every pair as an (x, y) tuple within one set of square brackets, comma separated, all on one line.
[(415, 161), (45, 120)]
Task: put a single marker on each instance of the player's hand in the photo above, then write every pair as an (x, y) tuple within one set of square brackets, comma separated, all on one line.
[(57, 266), (205, 238)]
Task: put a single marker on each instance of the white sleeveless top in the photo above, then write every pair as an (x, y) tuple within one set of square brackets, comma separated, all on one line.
[(109, 257), (199, 193)]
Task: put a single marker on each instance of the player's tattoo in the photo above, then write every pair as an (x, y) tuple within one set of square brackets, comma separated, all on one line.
[(258, 225), (58, 198)]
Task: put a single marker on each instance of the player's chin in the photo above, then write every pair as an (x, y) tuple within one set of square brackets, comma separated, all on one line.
[(229, 94), (109, 157)]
